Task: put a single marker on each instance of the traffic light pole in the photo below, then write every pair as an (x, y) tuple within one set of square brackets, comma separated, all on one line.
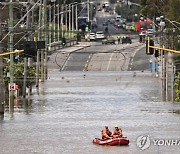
[(11, 35), (167, 70)]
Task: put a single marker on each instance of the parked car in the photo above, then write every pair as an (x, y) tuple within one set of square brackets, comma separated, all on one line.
[(100, 35), (92, 36), (126, 39), (109, 40)]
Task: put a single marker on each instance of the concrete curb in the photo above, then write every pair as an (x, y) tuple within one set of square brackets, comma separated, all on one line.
[(70, 54)]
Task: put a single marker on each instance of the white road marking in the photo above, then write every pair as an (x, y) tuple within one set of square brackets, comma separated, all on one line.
[(109, 61)]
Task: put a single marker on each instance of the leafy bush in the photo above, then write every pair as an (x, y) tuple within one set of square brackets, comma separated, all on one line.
[(177, 88), (18, 75)]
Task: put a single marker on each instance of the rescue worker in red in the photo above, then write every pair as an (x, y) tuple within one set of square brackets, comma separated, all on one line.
[(106, 133), (117, 132)]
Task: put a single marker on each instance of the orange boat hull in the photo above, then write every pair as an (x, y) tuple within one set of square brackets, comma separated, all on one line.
[(112, 142)]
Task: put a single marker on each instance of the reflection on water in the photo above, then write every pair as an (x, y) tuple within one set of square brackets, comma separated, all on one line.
[(20, 105), (64, 117)]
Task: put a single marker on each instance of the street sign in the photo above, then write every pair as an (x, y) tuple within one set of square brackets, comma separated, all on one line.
[(12, 86)]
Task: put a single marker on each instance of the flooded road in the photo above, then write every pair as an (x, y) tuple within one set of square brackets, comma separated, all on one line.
[(71, 109)]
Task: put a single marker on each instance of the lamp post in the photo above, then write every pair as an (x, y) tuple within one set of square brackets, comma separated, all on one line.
[(167, 66), (162, 58)]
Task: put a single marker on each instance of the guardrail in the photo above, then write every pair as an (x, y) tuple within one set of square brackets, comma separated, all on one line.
[(58, 45)]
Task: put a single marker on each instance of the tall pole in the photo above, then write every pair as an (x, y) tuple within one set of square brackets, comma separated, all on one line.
[(72, 17), (54, 14), (66, 21), (76, 19), (70, 23), (62, 16), (38, 52), (11, 36), (50, 27), (1, 72), (29, 37), (88, 10), (58, 16), (45, 38), (28, 20)]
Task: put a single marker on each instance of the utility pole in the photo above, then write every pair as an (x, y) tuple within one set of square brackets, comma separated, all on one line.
[(88, 10), (11, 37), (62, 16), (45, 37), (29, 37), (73, 22), (70, 23), (58, 21), (76, 19), (1, 72), (72, 17), (54, 21), (42, 51), (50, 27), (66, 16), (38, 52)]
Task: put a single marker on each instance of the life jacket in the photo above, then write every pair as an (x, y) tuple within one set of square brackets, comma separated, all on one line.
[(117, 132), (106, 133)]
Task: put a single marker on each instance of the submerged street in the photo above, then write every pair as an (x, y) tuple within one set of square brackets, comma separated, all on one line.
[(90, 84), (70, 109)]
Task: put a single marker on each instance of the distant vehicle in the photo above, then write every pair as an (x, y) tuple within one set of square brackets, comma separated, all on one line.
[(120, 23), (92, 36), (109, 40), (126, 40), (118, 17), (100, 35), (106, 4), (82, 21), (143, 25)]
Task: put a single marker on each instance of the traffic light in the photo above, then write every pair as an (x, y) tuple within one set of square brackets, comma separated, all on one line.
[(94, 7), (63, 41), (30, 48), (41, 45), (149, 50), (156, 54)]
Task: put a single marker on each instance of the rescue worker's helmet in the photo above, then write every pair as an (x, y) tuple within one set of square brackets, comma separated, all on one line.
[(116, 126)]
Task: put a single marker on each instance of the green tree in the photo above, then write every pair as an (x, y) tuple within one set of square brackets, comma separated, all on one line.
[(18, 75), (112, 1), (153, 8), (177, 88), (174, 11)]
